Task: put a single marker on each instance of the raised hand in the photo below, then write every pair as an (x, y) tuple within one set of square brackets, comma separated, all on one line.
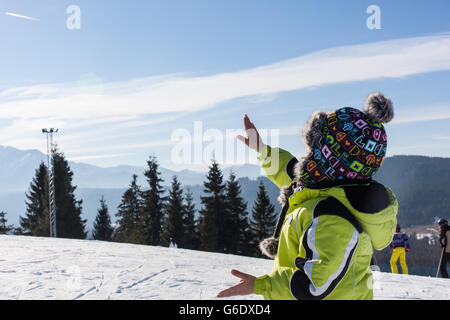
[(253, 139)]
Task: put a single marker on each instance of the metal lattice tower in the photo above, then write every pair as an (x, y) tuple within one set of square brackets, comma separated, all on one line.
[(51, 149)]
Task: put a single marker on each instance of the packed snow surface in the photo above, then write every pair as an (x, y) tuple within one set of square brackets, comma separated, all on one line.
[(43, 268)]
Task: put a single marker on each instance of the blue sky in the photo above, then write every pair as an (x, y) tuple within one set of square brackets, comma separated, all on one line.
[(138, 71)]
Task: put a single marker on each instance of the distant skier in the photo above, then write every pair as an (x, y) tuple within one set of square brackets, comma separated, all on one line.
[(399, 246), (444, 238), (173, 244)]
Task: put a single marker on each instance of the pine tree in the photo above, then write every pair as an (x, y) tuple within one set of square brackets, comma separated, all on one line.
[(4, 228), (236, 230), (213, 212), (68, 210), (35, 222), (190, 238), (153, 214), (264, 218), (173, 208), (103, 229), (128, 215)]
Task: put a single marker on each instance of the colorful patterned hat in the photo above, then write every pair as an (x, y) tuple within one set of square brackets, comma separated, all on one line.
[(345, 146)]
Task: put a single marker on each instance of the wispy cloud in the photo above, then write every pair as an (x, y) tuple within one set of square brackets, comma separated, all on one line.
[(422, 113), (387, 59), (101, 156), (16, 15), (440, 137), (125, 103)]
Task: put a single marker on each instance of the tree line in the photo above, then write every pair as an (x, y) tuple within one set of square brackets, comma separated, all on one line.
[(152, 215)]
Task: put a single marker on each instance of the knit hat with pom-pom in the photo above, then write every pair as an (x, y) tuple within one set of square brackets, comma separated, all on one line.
[(345, 146)]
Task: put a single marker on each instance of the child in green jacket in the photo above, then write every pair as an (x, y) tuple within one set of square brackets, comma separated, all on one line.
[(333, 213)]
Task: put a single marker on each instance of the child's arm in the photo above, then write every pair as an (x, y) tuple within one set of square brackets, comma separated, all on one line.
[(278, 165)]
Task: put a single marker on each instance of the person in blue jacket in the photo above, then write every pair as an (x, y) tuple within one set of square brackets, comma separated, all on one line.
[(399, 247)]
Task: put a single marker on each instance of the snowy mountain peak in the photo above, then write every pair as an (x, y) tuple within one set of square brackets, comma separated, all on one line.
[(17, 168)]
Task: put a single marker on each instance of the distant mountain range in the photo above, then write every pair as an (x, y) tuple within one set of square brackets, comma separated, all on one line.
[(17, 168), (421, 184)]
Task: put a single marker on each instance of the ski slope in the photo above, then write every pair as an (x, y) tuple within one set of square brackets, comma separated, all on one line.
[(43, 268)]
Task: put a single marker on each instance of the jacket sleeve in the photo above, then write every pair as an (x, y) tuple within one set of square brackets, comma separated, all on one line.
[(326, 249), (443, 237), (278, 165), (406, 242), (447, 236)]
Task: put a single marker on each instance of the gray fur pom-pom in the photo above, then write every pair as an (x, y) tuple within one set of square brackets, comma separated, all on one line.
[(269, 247), (379, 108), (313, 128)]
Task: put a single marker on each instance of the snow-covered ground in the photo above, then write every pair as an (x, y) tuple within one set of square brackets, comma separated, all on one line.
[(43, 268)]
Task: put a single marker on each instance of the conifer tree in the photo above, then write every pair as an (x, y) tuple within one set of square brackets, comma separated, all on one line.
[(35, 222), (128, 215), (152, 214), (236, 230), (190, 238), (212, 215), (264, 218), (103, 229), (69, 223), (4, 228), (173, 208)]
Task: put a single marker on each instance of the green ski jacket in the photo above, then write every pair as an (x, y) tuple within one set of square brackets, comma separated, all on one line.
[(328, 237)]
